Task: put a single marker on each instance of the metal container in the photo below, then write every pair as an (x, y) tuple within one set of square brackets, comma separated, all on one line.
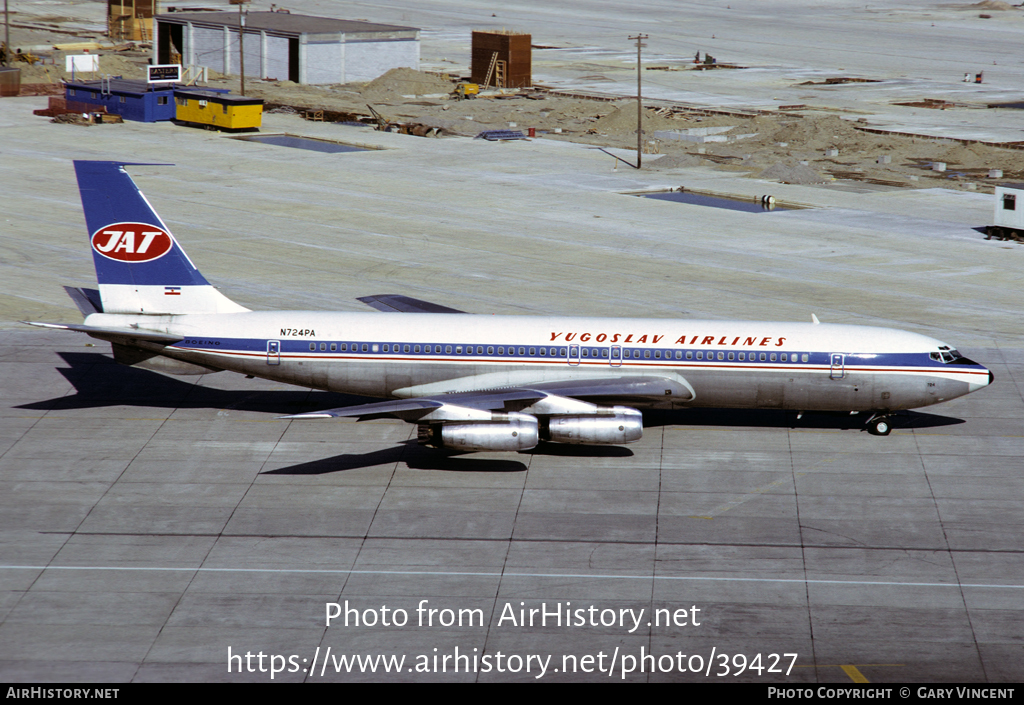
[(10, 81), (503, 55)]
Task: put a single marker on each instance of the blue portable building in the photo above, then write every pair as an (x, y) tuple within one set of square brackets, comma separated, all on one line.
[(132, 100)]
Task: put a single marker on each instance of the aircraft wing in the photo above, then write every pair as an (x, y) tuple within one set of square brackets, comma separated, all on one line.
[(390, 303), (559, 397), (619, 389), (412, 409)]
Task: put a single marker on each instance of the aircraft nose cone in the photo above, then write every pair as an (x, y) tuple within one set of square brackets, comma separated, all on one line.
[(978, 384), (975, 386)]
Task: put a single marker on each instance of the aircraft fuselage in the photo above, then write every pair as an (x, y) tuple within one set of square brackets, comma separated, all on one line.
[(720, 364)]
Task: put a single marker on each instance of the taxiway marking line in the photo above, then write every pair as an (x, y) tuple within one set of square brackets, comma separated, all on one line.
[(342, 571), (855, 675)]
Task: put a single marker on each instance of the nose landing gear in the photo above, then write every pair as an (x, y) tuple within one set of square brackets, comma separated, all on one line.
[(879, 425)]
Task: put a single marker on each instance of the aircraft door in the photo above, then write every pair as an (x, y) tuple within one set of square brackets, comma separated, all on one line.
[(273, 352), (615, 356), (574, 354), (838, 370)]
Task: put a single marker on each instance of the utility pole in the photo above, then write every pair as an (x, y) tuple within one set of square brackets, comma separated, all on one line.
[(241, 40), (7, 35), (241, 44), (639, 101)]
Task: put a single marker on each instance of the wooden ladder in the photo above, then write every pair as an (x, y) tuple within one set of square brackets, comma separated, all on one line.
[(490, 69)]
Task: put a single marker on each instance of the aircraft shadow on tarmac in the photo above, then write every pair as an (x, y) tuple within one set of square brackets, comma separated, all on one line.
[(408, 452), (782, 418), (422, 458), (100, 382)]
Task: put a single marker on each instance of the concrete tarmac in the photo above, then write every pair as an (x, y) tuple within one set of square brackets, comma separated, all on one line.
[(148, 523)]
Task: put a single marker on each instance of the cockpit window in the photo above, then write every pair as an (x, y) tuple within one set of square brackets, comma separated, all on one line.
[(946, 355)]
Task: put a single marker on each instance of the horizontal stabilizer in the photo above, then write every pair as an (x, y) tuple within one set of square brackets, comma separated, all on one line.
[(112, 334), (391, 303)]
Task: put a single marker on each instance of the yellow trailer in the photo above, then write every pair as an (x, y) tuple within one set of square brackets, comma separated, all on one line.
[(219, 111)]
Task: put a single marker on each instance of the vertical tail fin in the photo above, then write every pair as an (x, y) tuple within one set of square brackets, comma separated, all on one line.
[(140, 267)]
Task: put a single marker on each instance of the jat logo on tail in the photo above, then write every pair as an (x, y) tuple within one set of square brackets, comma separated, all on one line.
[(132, 242)]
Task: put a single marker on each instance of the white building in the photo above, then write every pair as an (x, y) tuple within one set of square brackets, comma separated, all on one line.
[(1008, 221), (282, 46)]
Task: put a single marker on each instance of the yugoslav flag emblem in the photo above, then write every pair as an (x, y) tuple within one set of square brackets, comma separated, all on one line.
[(132, 242)]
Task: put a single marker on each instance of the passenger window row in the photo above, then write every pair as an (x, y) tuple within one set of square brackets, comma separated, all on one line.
[(523, 351), (747, 357), (439, 349)]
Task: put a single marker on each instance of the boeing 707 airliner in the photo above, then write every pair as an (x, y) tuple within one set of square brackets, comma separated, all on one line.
[(473, 382)]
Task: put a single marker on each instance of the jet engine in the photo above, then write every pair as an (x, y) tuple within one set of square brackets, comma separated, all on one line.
[(625, 425), (513, 432)]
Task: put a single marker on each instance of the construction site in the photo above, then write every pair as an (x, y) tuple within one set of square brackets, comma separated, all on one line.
[(834, 164), (828, 128)]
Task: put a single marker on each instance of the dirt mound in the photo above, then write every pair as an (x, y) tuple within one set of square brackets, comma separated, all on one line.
[(798, 174), (675, 161), (622, 120), (993, 5), (817, 133), (404, 81), (967, 156)]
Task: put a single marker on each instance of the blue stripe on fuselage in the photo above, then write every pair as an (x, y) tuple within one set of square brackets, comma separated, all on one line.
[(820, 360)]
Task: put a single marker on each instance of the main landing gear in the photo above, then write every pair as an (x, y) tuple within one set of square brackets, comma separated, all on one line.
[(879, 425)]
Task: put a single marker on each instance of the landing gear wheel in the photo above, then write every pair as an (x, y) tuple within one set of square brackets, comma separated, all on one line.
[(879, 427)]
